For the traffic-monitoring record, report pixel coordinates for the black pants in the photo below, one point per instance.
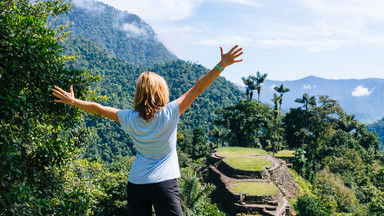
(164, 196)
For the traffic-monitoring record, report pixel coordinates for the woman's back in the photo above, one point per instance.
(155, 143)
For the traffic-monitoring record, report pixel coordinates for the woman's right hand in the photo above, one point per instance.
(231, 56)
(63, 96)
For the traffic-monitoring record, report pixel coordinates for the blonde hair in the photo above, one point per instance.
(152, 94)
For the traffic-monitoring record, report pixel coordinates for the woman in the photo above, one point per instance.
(152, 126)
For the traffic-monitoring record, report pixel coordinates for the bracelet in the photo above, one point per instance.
(219, 67)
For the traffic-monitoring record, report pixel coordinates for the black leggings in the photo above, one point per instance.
(164, 196)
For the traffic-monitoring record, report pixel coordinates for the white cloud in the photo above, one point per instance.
(352, 10)
(309, 86)
(356, 21)
(134, 30)
(225, 40)
(360, 91)
(318, 45)
(158, 10)
(244, 2)
(272, 87)
(90, 5)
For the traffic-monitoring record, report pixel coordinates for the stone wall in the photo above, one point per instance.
(284, 180)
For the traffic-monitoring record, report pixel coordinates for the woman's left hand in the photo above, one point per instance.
(231, 56)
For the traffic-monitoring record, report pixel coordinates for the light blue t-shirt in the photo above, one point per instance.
(155, 142)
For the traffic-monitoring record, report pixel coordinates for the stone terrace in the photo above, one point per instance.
(224, 175)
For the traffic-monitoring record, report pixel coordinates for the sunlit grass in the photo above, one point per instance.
(239, 151)
(254, 188)
(285, 154)
(248, 163)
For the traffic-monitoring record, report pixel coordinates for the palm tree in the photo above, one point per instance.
(276, 100)
(192, 193)
(250, 86)
(306, 100)
(347, 123)
(219, 135)
(282, 91)
(260, 78)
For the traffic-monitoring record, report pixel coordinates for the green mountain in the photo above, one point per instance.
(118, 85)
(124, 35)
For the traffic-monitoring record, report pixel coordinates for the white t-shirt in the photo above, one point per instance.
(155, 142)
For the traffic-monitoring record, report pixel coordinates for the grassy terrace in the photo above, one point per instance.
(248, 163)
(285, 153)
(239, 151)
(254, 188)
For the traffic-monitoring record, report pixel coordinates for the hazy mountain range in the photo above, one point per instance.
(362, 97)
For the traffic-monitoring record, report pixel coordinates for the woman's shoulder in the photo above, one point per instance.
(125, 114)
(173, 105)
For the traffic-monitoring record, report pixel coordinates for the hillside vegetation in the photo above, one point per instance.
(57, 160)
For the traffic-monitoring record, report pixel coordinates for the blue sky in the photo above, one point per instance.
(289, 40)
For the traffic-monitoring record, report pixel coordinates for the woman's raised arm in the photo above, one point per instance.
(227, 59)
(91, 107)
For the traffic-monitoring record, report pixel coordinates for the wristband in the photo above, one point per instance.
(219, 67)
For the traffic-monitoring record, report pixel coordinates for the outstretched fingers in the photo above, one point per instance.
(237, 51)
(57, 93)
(238, 54)
(233, 49)
(58, 88)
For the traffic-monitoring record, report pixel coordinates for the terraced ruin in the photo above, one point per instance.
(248, 181)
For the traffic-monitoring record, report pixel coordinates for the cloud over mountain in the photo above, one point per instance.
(360, 91)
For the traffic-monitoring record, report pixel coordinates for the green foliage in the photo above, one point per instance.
(334, 194)
(200, 147)
(305, 187)
(306, 100)
(310, 205)
(195, 196)
(250, 83)
(338, 143)
(350, 166)
(249, 124)
(297, 128)
(38, 138)
(91, 188)
(376, 207)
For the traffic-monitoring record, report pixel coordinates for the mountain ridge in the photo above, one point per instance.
(361, 97)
